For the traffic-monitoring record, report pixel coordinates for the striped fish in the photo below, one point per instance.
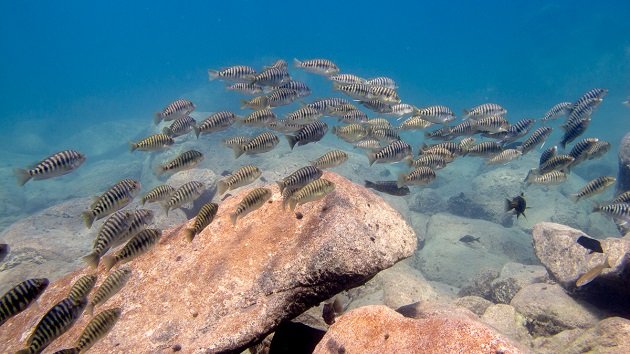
(158, 194)
(580, 150)
(247, 88)
(187, 193)
(491, 124)
(287, 193)
(550, 178)
(517, 130)
(300, 177)
(301, 88)
(238, 73)
(21, 296)
(139, 244)
(583, 110)
(435, 114)
(54, 323)
(484, 148)
(284, 126)
(377, 106)
(260, 102)
(361, 92)
(350, 133)
(485, 110)
(114, 199)
(262, 143)
(181, 126)
(252, 201)
(155, 142)
(346, 79)
(313, 191)
(504, 157)
(304, 115)
(239, 178)
(395, 151)
(141, 219)
(444, 133)
(259, 118)
(384, 94)
(310, 133)
(621, 198)
(236, 141)
(538, 137)
(596, 186)
(324, 105)
(466, 143)
(558, 110)
(383, 81)
(272, 77)
(619, 211)
(82, 287)
(317, 66)
(547, 154)
(420, 176)
(455, 148)
(282, 97)
(355, 116)
(330, 159)
(465, 128)
(184, 161)
(386, 134)
(402, 109)
(204, 217)
(174, 110)
(97, 328)
(440, 151)
(598, 150)
(216, 122)
(278, 64)
(573, 130)
(596, 93)
(54, 165)
(368, 144)
(435, 162)
(557, 162)
(110, 286)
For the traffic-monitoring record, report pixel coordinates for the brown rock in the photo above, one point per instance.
(378, 329)
(241, 281)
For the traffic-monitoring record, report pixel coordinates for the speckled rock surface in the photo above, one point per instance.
(513, 277)
(233, 284)
(508, 321)
(379, 329)
(476, 304)
(611, 335)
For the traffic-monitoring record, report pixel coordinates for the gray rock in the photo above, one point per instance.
(549, 310)
(508, 321)
(476, 304)
(611, 335)
(480, 285)
(623, 176)
(464, 206)
(565, 260)
(557, 343)
(514, 277)
(446, 259)
(427, 201)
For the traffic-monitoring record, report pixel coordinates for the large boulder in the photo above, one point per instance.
(233, 285)
(379, 329)
(514, 277)
(609, 336)
(508, 321)
(556, 247)
(623, 177)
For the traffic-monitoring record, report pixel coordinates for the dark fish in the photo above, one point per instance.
(469, 239)
(389, 187)
(591, 244)
(20, 297)
(518, 204)
(4, 251)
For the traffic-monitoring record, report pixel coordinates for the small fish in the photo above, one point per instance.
(368, 144)
(54, 323)
(538, 137)
(388, 187)
(592, 274)
(260, 118)
(313, 191)
(174, 110)
(181, 126)
(557, 162)
(278, 64)
(114, 199)
(402, 109)
(469, 239)
(596, 186)
(485, 110)
(466, 144)
(236, 141)
(204, 217)
(239, 178)
(386, 134)
(518, 204)
(351, 132)
(158, 194)
(247, 88)
(82, 287)
(155, 142)
(395, 151)
(415, 123)
(435, 162)
(621, 198)
(139, 244)
(299, 87)
(558, 110)
(465, 128)
(583, 111)
(362, 92)
(282, 97)
(384, 94)
(619, 211)
(310, 133)
(580, 150)
(54, 165)
(110, 286)
(484, 148)
(256, 103)
(376, 106)
(317, 66)
(444, 133)
(435, 114)
(383, 81)
(21, 296)
(304, 115)
(272, 77)
(4, 251)
(420, 176)
(504, 157)
(187, 193)
(355, 116)
(262, 143)
(284, 126)
(574, 130)
(347, 79)
(97, 328)
(343, 109)
(325, 105)
(491, 124)
(300, 177)
(517, 130)
(215, 123)
(252, 201)
(596, 93)
(550, 178)
(238, 73)
(591, 244)
(330, 159)
(599, 149)
(547, 154)
(184, 161)
(441, 152)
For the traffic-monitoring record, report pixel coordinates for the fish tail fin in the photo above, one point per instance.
(88, 218)
(22, 176)
(222, 187)
(233, 218)
(92, 259)
(368, 184)
(297, 63)
(132, 146)
(212, 74)
(238, 151)
(90, 308)
(508, 205)
(292, 203)
(371, 157)
(574, 198)
(25, 351)
(197, 131)
(157, 118)
(280, 185)
(158, 170)
(401, 180)
(109, 262)
(190, 234)
(166, 208)
(167, 131)
(292, 140)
